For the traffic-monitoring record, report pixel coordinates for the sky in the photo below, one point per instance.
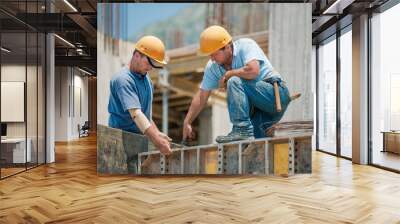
(142, 14)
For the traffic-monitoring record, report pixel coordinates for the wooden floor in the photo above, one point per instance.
(70, 191)
(10, 171)
(386, 159)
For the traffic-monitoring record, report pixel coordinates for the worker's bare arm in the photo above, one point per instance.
(249, 71)
(150, 130)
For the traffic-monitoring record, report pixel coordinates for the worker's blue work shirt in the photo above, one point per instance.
(244, 51)
(129, 90)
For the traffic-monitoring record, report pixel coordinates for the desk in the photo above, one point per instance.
(391, 141)
(13, 150)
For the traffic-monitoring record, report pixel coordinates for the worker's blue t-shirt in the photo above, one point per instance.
(129, 90)
(244, 51)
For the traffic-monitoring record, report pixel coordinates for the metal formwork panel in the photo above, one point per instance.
(150, 164)
(283, 156)
(190, 161)
(230, 159)
(173, 163)
(253, 158)
(209, 160)
(302, 153)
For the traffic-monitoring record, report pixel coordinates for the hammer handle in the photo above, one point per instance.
(277, 97)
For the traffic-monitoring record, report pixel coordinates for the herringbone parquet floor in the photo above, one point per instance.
(70, 191)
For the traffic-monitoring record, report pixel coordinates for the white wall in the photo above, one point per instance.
(67, 114)
(14, 73)
(61, 103)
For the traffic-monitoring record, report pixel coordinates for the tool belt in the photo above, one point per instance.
(273, 79)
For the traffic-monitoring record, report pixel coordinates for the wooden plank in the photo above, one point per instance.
(281, 159)
(69, 191)
(289, 128)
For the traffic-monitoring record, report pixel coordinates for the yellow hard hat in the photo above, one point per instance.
(152, 47)
(212, 39)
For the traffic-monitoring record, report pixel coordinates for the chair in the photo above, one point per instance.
(84, 130)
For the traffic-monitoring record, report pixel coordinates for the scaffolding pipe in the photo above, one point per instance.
(165, 111)
(164, 82)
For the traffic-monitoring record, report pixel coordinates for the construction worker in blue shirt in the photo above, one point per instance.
(241, 68)
(131, 93)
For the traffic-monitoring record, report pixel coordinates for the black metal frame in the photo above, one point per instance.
(380, 9)
(339, 32)
(369, 98)
(36, 164)
(338, 98)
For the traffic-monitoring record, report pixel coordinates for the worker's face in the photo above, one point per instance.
(221, 56)
(142, 63)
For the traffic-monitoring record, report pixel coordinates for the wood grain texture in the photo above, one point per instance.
(281, 159)
(70, 191)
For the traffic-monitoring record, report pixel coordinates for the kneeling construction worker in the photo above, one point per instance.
(131, 93)
(241, 68)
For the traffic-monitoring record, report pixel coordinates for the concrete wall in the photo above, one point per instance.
(221, 124)
(290, 53)
(112, 56)
(213, 121)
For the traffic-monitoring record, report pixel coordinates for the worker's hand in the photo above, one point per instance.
(162, 144)
(222, 83)
(162, 135)
(187, 131)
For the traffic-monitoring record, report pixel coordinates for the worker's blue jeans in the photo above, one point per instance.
(243, 95)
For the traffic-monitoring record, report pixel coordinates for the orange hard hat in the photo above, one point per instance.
(152, 47)
(212, 39)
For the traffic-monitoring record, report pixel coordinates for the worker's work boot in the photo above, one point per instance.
(235, 135)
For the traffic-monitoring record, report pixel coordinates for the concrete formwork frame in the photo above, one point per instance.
(283, 156)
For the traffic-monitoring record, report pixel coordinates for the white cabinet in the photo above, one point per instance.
(17, 147)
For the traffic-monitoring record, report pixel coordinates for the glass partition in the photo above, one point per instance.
(327, 96)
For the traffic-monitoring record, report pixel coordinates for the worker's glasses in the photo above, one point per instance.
(154, 63)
